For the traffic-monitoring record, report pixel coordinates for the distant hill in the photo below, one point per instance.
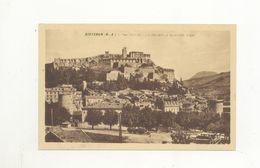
(203, 74)
(214, 85)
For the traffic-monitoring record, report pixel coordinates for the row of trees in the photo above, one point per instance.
(96, 117)
(54, 115)
(136, 84)
(132, 116)
(54, 77)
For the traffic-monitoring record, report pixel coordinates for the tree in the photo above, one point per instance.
(122, 83)
(159, 103)
(225, 121)
(110, 118)
(61, 115)
(180, 137)
(167, 119)
(90, 75)
(94, 117)
(130, 116)
(181, 82)
(222, 125)
(148, 118)
(207, 118)
(57, 116)
(183, 119)
(176, 89)
(194, 120)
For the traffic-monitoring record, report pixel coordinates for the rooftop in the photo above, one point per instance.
(105, 105)
(171, 103)
(70, 135)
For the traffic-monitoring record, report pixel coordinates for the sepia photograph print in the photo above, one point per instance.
(137, 86)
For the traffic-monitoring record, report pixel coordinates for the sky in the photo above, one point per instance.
(187, 52)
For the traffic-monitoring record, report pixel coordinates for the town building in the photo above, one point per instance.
(215, 106)
(102, 106)
(187, 107)
(171, 106)
(52, 94)
(84, 85)
(98, 83)
(134, 58)
(67, 96)
(112, 75)
(143, 104)
(147, 71)
(128, 71)
(70, 63)
(169, 74)
(76, 63)
(133, 61)
(226, 107)
(90, 100)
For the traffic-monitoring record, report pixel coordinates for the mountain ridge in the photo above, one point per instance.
(203, 74)
(217, 85)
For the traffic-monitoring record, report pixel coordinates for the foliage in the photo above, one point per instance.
(176, 89)
(134, 117)
(130, 116)
(58, 115)
(148, 118)
(110, 118)
(180, 137)
(120, 84)
(94, 117)
(222, 125)
(136, 84)
(159, 103)
(54, 77)
(183, 119)
(167, 119)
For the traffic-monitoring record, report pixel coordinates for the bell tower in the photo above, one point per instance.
(124, 52)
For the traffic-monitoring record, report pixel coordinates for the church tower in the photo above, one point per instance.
(124, 52)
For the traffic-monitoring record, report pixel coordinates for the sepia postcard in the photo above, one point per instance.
(137, 86)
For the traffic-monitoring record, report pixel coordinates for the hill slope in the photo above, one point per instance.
(215, 86)
(203, 74)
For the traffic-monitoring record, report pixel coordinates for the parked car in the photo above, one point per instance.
(131, 129)
(200, 139)
(138, 130)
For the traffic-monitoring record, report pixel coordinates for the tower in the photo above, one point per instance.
(84, 85)
(124, 52)
(106, 53)
(66, 102)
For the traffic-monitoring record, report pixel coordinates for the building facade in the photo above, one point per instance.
(67, 96)
(112, 75)
(91, 100)
(170, 74)
(171, 106)
(128, 71)
(52, 94)
(215, 106)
